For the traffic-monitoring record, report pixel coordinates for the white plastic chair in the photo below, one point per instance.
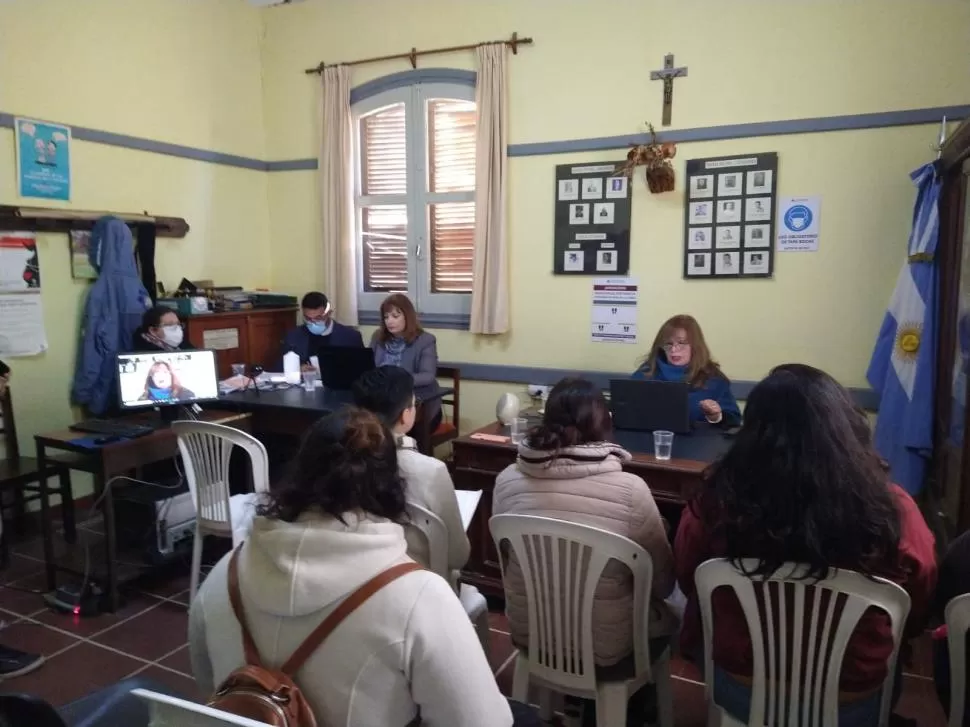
(206, 449)
(433, 529)
(781, 693)
(169, 711)
(957, 624)
(561, 564)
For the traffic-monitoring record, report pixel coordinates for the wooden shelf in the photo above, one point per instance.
(47, 219)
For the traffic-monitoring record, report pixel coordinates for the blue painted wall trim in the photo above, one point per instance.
(886, 119)
(866, 398)
(452, 321)
(410, 78)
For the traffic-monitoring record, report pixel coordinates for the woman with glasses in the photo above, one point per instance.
(160, 330)
(680, 354)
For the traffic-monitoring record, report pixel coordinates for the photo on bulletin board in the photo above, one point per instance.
(81, 267)
(730, 211)
(592, 220)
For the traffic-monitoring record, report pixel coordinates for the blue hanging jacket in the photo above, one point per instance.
(114, 309)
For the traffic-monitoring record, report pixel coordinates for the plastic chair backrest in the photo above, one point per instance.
(206, 449)
(561, 564)
(174, 712)
(433, 529)
(795, 682)
(957, 624)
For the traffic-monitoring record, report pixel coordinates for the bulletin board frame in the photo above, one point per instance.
(729, 217)
(593, 209)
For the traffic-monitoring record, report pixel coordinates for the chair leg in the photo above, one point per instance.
(520, 680)
(196, 563)
(483, 630)
(67, 506)
(611, 705)
(546, 702)
(20, 511)
(665, 694)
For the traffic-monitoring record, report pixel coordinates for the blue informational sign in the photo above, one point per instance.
(43, 159)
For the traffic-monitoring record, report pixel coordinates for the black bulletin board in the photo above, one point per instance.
(729, 217)
(592, 230)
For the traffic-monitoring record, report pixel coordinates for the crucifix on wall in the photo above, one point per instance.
(667, 75)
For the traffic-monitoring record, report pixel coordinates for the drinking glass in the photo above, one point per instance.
(239, 369)
(309, 380)
(519, 428)
(663, 444)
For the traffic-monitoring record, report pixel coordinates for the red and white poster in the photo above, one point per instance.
(21, 314)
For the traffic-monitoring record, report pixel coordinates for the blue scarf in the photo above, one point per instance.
(395, 350)
(670, 372)
(156, 394)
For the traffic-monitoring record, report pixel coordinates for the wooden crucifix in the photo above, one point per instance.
(667, 75)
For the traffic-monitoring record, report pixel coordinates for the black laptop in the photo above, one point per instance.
(341, 366)
(642, 405)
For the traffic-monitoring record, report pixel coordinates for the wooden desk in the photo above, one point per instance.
(104, 463)
(257, 335)
(477, 462)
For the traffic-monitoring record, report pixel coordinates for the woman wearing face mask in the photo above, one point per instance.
(401, 341)
(679, 353)
(162, 384)
(160, 330)
(319, 330)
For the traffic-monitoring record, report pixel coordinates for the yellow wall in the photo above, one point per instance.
(587, 76)
(180, 71)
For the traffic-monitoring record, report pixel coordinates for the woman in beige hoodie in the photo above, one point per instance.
(567, 469)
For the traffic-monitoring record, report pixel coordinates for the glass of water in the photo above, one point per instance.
(239, 369)
(519, 428)
(663, 444)
(309, 380)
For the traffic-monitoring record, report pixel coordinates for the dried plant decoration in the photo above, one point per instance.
(655, 159)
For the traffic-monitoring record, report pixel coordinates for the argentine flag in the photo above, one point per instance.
(904, 360)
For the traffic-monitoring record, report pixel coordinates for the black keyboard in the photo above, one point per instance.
(113, 428)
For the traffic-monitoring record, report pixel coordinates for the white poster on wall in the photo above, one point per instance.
(614, 315)
(799, 219)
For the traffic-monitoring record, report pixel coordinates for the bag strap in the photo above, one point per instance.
(249, 646)
(346, 607)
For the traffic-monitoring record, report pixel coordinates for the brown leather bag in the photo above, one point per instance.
(270, 695)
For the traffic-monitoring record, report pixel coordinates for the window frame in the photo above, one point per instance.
(435, 308)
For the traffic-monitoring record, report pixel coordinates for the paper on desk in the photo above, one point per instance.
(467, 505)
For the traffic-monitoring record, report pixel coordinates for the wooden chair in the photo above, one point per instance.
(448, 428)
(21, 476)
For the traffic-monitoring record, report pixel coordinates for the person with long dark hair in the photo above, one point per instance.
(568, 469)
(161, 329)
(803, 483)
(408, 652)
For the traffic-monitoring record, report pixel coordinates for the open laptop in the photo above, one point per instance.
(341, 366)
(649, 406)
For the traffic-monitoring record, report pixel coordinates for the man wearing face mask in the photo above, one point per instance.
(160, 330)
(319, 330)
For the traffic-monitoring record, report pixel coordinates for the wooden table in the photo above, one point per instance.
(477, 462)
(105, 462)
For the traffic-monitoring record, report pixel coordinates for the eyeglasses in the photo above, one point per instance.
(674, 345)
(325, 318)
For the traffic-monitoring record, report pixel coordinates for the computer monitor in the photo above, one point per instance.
(166, 378)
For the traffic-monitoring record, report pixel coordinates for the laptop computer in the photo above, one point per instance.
(649, 406)
(341, 366)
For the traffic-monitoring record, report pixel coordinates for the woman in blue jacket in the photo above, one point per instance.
(679, 353)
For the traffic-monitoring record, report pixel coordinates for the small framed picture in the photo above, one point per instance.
(573, 261)
(606, 261)
(702, 187)
(579, 214)
(728, 210)
(729, 184)
(699, 238)
(759, 182)
(726, 263)
(757, 209)
(700, 213)
(593, 188)
(757, 236)
(756, 263)
(728, 238)
(568, 189)
(616, 187)
(698, 263)
(603, 213)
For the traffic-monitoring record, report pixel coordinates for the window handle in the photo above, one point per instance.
(417, 252)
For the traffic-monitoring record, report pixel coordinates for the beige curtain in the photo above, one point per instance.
(490, 291)
(337, 194)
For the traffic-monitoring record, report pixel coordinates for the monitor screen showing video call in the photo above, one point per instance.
(167, 378)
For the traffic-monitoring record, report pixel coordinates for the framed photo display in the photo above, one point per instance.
(729, 217)
(592, 227)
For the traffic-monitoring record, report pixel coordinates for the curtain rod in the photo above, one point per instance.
(514, 42)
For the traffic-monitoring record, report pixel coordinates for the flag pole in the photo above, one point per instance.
(942, 139)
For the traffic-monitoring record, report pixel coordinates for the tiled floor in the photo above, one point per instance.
(148, 638)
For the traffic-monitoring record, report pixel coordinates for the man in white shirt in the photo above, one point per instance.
(388, 391)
